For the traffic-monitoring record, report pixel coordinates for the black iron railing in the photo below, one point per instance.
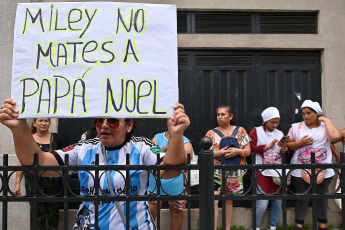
(205, 197)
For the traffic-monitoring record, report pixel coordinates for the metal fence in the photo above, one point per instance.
(205, 197)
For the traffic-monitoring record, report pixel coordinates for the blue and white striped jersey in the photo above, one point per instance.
(141, 151)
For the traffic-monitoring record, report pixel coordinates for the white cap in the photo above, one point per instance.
(313, 105)
(270, 113)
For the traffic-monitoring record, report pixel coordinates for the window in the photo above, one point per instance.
(247, 22)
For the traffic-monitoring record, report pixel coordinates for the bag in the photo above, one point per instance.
(306, 175)
(194, 174)
(278, 181)
(232, 176)
(232, 142)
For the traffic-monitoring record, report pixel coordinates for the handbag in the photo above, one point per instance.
(194, 174)
(277, 181)
(234, 175)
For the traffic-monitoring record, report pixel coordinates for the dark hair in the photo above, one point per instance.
(91, 132)
(229, 111)
(309, 108)
(134, 128)
(33, 129)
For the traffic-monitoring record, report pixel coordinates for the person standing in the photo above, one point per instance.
(47, 141)
(114, 143)
(266, 144)
(337, 156)
(225, 120)
(175, 206)
(314, 134)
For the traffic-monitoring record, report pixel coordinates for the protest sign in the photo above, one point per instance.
(95, 59)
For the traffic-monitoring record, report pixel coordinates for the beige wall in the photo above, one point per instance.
(330, 40)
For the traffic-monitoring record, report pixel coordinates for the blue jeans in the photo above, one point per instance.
(261, 206)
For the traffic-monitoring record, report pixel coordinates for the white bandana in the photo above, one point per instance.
(270, 113)
(313, 105)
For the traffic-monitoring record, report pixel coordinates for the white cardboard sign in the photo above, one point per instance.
(95, 59)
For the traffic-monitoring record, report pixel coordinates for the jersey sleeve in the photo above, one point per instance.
(72, 150)
(150, 151)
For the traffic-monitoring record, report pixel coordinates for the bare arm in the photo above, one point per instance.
(293, 145)
(332, 132)
(24, 143)
(335, 153)
(177, 124)
(243, 152)
(19, 177)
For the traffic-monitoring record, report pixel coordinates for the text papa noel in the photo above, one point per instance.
(126, 96)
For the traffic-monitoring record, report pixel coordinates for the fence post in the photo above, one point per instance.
(206, 202)
(4, 191)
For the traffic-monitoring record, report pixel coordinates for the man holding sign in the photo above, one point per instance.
(100, 60)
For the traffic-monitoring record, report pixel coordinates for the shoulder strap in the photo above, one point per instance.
(218, 132)
(300, 125)
(235, 131)
(51, 142)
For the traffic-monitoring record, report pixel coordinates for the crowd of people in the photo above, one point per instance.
(231, 144)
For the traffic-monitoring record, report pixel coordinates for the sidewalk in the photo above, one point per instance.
(242, 217)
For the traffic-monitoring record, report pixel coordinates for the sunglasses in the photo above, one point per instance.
(112, 122)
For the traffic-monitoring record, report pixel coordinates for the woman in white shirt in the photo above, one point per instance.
(313, 134)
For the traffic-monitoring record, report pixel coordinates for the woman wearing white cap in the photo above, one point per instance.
(266, 143)
(313, 134)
